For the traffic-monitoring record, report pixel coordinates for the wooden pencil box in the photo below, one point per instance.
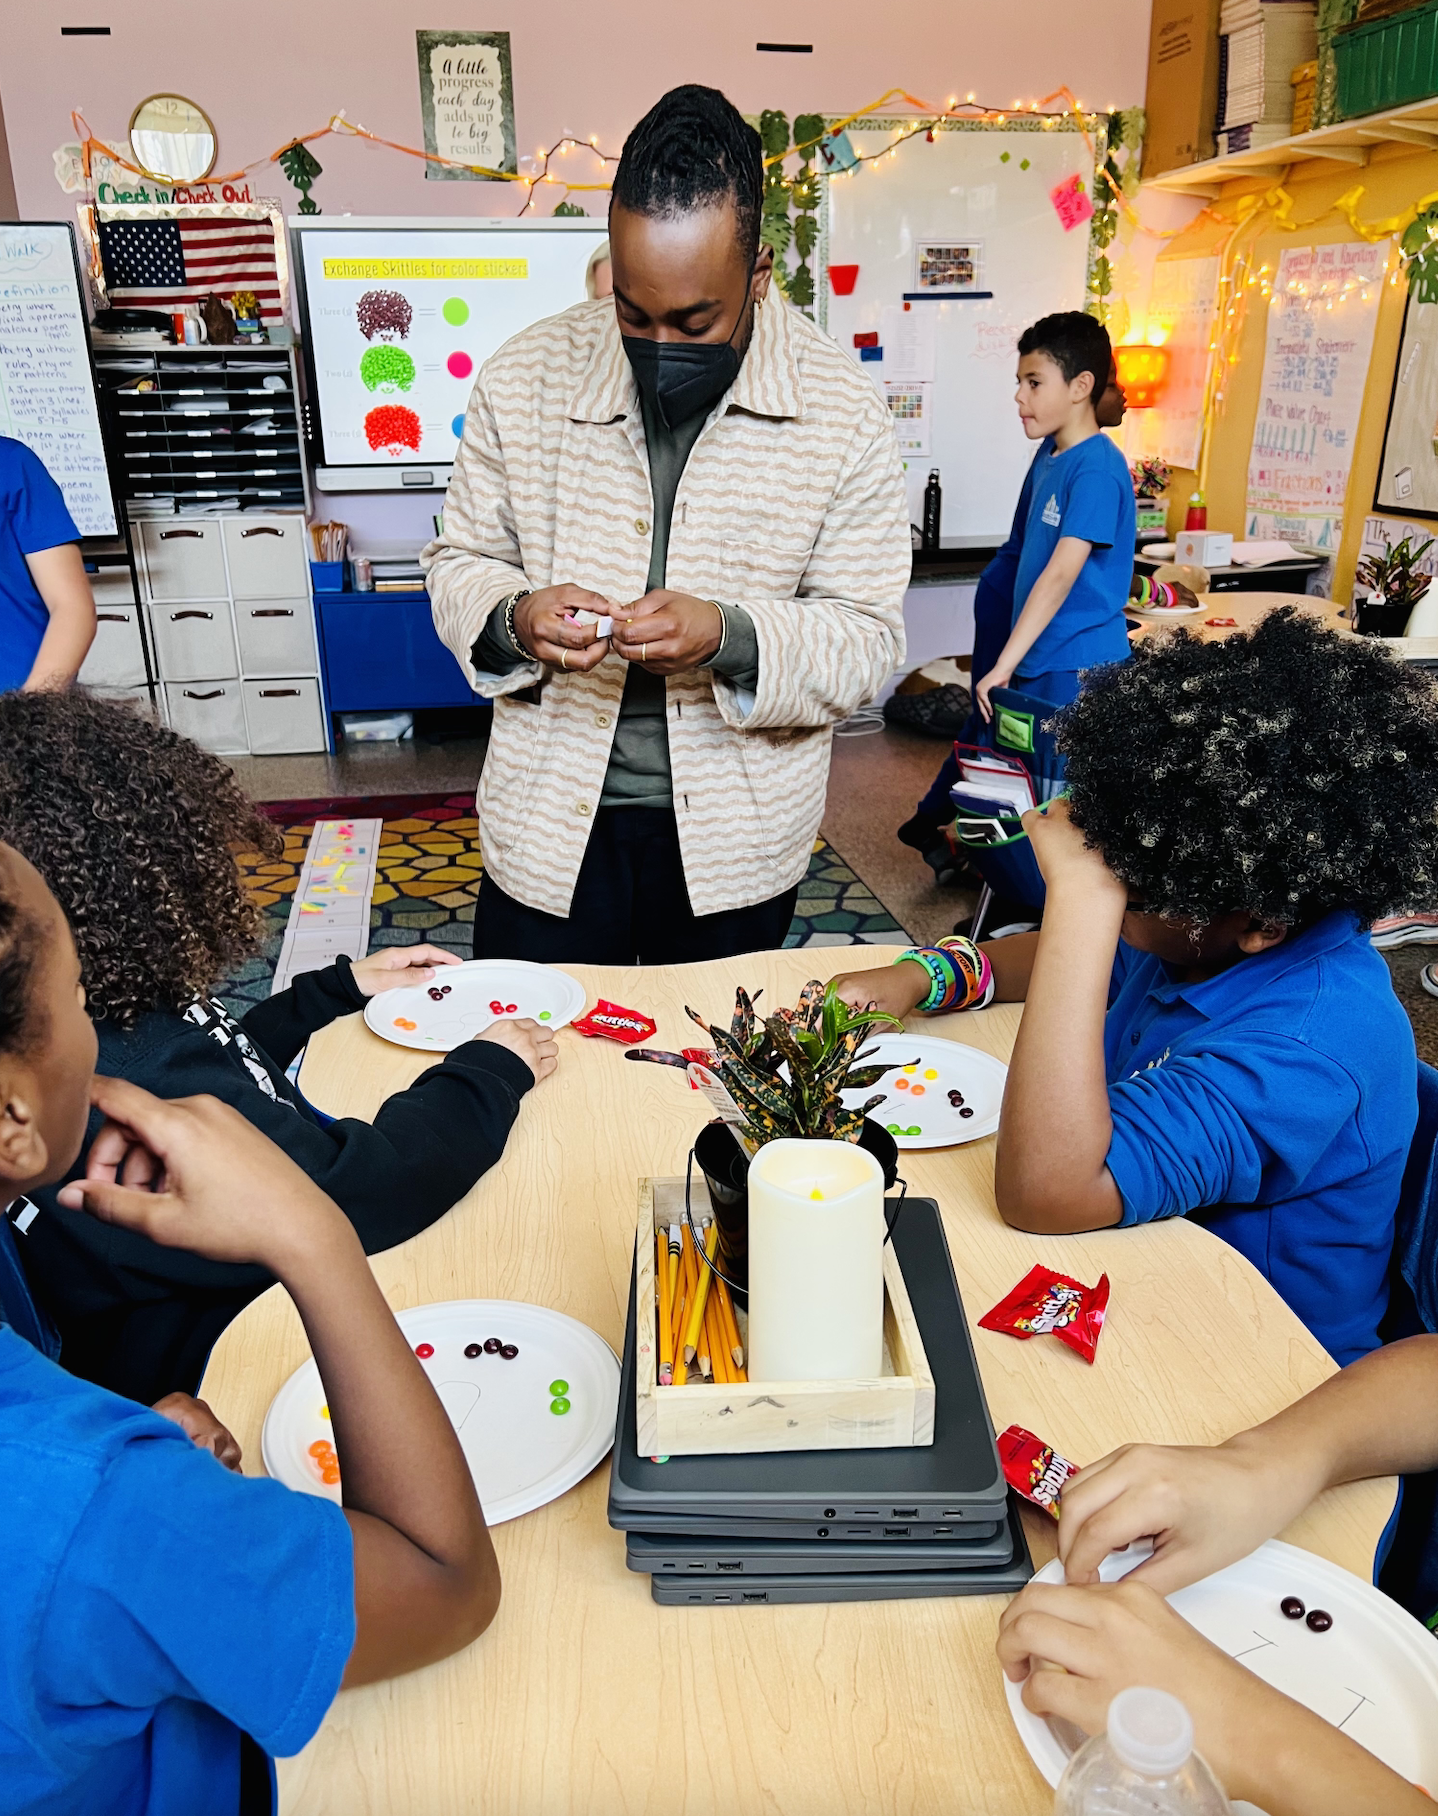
(895, 1409)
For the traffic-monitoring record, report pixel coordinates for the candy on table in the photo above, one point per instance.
(965, 1112)
(424, 1351)
(1046, 1303)
(322, 1455)
(612, 1021)
(408, 1026)
(1034, 1469)
(492, 1346)
(1292, 1608)
(559, 1405)
(1319, 1620)
(499, 1008)
(473, 1349)
(509, 1351)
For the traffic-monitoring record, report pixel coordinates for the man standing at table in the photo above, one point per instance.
(696, 461)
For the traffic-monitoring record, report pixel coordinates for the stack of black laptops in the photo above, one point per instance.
(835, 1525)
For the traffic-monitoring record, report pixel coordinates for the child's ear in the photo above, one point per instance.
(24, 1154)
(1261, 936)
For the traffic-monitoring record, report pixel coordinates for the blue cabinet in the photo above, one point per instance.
(380, 652)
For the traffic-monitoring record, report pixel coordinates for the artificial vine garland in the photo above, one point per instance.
(1117, 176)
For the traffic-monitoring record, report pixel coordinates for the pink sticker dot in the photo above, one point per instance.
(424, 1351)
(460, 365)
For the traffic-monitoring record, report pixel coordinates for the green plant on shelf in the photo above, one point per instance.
(817, 1044)
(1395, 576)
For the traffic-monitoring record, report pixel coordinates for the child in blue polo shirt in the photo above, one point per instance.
(167, 1624)
(1207, 1030)
(47, 611)
(1076, 560)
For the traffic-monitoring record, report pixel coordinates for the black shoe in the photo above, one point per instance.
(921, 833)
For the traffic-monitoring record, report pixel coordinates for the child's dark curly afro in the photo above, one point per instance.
(1286, 771)
(135, 829)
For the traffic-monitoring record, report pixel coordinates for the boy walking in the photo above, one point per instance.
(1076, 557)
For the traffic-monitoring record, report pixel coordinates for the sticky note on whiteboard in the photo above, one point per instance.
(1072, 202)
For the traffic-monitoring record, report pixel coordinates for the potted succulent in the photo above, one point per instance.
(785, 1074)
(1389, 586)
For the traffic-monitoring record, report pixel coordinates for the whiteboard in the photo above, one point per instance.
(399, 316)
(47, 384)
(963, 188)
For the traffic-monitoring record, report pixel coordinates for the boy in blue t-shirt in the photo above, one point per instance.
(1207, 1030)
(1076, 559)
(166, 1624)
(47, 611)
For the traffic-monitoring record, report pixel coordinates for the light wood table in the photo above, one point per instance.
(1247, 609)
(585, 1696)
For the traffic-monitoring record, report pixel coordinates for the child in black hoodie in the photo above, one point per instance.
(134, 829)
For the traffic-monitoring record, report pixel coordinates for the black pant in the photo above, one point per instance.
(630, 906)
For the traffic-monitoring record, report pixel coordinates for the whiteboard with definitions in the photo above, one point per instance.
(984, 186)
(47, 383)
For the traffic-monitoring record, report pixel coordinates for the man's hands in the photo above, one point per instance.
(201, 1426)
(534, 1045)
(393, 967)
(668, 633)
(541, 622)
(194, 1174)
(1204, 1508)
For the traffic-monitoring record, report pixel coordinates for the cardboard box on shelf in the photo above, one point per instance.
(1182, 97)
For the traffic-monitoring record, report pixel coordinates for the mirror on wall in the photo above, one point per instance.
(172, 140)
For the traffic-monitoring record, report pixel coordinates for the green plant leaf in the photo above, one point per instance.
(773, 132)
(808, 130)
(859, 1078)
(806, 235)
(801, 287)
(776, 230)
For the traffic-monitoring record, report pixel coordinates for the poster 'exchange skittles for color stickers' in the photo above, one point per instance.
(1320, 339)
(401, 319)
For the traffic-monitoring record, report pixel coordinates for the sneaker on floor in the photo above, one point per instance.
(1405, 930)
(1428, 977)
(921, 833)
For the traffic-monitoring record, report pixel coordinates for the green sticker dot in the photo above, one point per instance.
(544, 1015)
(559, 1388)
(456, 311)
(559, 1406)
(1003, 157)
(1023, 163)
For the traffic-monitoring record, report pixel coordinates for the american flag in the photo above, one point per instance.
(166, 264)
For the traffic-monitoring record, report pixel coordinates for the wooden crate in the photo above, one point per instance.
(895, 1409)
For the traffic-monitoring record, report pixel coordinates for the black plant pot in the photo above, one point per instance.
(1381, 620)
(725, 1167)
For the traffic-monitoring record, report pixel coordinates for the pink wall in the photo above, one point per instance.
(269, 71)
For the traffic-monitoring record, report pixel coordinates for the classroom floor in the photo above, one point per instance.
(874, 785)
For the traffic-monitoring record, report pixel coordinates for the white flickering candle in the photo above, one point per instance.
(816, 1262)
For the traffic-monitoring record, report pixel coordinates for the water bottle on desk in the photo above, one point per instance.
(1144, 1765)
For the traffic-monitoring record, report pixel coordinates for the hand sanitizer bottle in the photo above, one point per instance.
(1144, 1766)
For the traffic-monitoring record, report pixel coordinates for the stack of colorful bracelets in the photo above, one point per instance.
(960, 975)
(1153, 595)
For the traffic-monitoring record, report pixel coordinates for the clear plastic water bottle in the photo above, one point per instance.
(1144, 1766)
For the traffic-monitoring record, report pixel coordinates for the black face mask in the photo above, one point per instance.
(678, 379)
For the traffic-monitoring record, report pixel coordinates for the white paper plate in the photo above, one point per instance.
(412, 1018)
(917, 1111)
(520, 1452)
(1374, 1674)
(1179, 611)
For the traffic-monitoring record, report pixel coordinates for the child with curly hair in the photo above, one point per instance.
(133, 828)
(1207, 1030)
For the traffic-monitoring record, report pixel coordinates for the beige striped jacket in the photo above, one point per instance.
(791, 504)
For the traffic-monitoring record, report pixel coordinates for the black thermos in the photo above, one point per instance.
(933, 510)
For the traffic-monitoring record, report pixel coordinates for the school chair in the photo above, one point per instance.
(1407, 1565)
(1008, 866)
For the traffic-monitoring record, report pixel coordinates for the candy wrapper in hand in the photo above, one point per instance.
(611, 1021)
(1034, 1469)
(1048, 1304)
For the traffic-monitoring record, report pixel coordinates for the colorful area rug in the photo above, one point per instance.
(428, 876)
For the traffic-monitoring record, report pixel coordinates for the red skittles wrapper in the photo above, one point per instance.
(1048, 1304)
(611, 1021)
(1034, 1469)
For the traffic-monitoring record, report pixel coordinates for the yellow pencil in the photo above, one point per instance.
(715, 1341)
(701, 1293)
(682, 1305)
(673, 1264)
(731, 1323)
(666, 1327)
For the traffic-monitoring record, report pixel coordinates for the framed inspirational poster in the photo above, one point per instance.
(1408, 471)
(466, 98)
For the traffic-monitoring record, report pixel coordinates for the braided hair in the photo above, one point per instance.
(1286, 771)
(692, 150)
